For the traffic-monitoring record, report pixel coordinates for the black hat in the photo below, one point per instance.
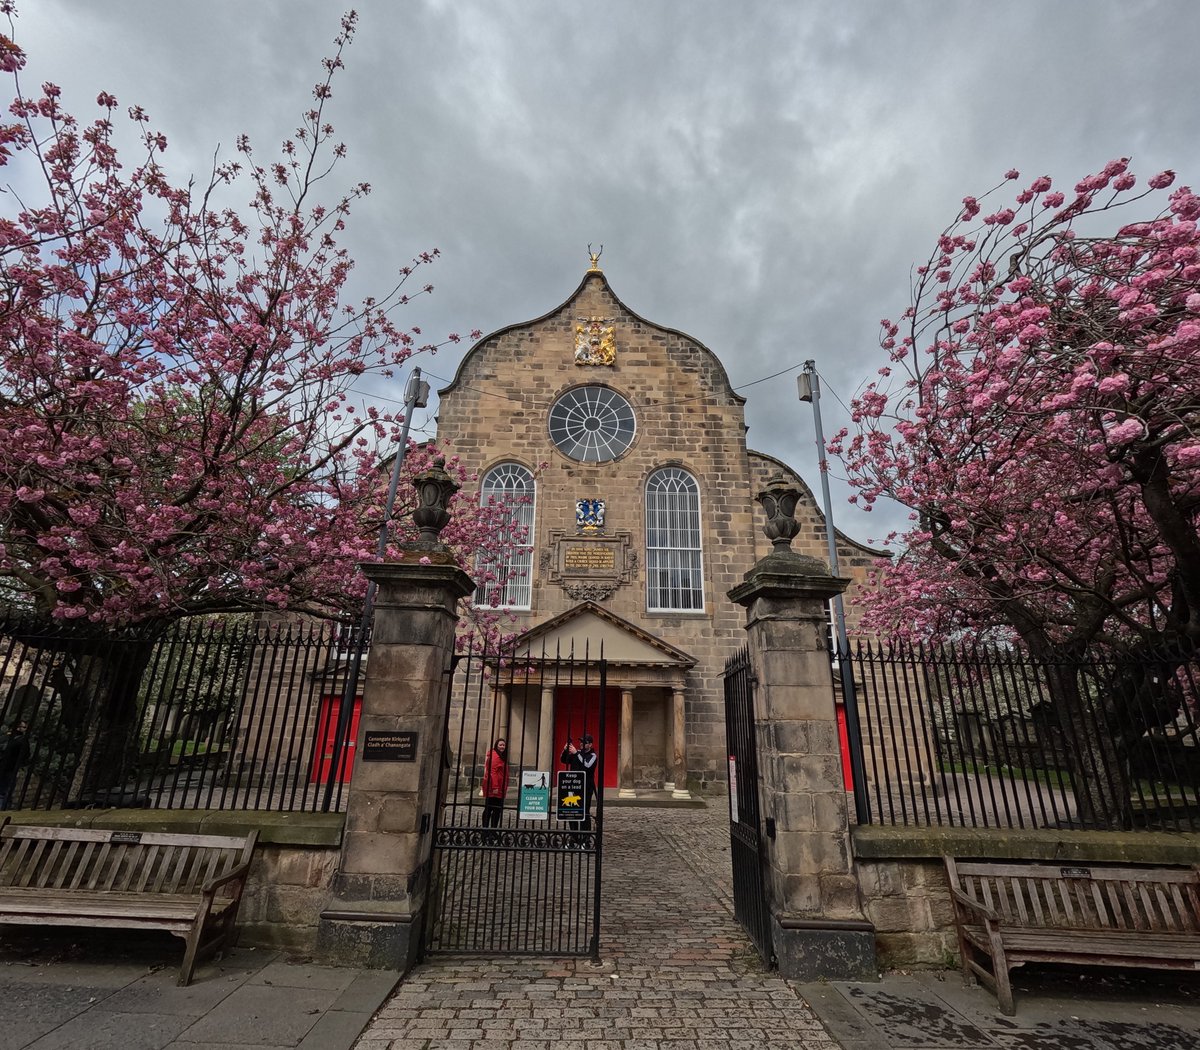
(586, 738)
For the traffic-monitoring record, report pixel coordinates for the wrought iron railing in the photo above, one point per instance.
(224, 713)
(969, 736)
(510, 874)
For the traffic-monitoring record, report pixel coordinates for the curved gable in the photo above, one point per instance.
(597, 276)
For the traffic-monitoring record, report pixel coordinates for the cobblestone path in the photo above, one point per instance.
(677, 971)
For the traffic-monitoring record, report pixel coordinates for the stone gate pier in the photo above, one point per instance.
(818, 927)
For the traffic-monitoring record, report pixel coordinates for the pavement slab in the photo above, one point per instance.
(1058, 1008)
(85, 990)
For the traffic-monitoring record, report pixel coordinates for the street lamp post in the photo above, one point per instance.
(810, 390)
(416, 395)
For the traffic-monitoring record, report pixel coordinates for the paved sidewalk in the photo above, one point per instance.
(678, 973)
(76, 990)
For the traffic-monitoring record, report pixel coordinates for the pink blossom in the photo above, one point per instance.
(1123, 433)
(1162, 180)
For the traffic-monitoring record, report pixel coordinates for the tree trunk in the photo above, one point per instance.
(1097, 760)
(108, 682)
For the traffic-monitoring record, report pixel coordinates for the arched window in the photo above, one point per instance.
(674, 573)
(510, 565)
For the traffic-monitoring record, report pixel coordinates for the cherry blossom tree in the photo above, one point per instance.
(182, 429)
(1040, 416)
(183, 434)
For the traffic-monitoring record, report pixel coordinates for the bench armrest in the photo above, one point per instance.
(239, 872)
(971, 904)
(233, 875)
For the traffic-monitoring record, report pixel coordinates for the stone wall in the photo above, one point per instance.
(908, 902)
(287, 891)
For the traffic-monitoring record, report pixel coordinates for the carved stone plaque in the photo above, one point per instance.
(591, 568)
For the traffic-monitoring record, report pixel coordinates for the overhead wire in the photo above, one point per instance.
(524, 399)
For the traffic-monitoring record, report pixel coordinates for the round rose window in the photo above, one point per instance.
(592, 424)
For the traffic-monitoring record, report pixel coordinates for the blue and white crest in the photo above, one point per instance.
(589, 515)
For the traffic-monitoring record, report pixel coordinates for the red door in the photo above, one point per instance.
(577, 711)
(324, 759)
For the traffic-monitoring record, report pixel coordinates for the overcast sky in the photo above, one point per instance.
(762, 176)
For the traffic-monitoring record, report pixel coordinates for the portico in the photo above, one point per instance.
(645, 700)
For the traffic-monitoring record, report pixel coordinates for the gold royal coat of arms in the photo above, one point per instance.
(595, 341)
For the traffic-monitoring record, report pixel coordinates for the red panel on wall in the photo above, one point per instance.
(324, 758)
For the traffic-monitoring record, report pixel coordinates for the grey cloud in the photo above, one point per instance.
(763, 176)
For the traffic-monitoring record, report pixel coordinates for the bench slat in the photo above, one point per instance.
(175, 879)
(89, 904)
(147, 869)
(1099, 871)
(1019, 942)
(104, 835)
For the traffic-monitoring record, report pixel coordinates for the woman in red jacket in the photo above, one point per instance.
(495, 783)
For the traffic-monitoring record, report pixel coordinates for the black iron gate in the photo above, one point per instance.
(745, 828)
(509, 878)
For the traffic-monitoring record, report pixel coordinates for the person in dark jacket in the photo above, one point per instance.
(495, 783)
(585, 758)
(14, 753)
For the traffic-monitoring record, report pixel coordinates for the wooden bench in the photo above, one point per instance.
(1009, 914)
(190, 885)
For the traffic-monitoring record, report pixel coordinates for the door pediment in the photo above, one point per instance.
(589, 629)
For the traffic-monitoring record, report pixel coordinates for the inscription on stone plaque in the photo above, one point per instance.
(588, 556)
(590, 570)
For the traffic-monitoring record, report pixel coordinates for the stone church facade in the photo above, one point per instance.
(621, 447)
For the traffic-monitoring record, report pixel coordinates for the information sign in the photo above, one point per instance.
(534, 801)
(570, 795)
(389, 747)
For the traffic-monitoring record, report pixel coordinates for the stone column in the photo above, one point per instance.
(545, 751)
(669, 736)
(378, 896)
(819, 930)
(679, 743)
(625, 747)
